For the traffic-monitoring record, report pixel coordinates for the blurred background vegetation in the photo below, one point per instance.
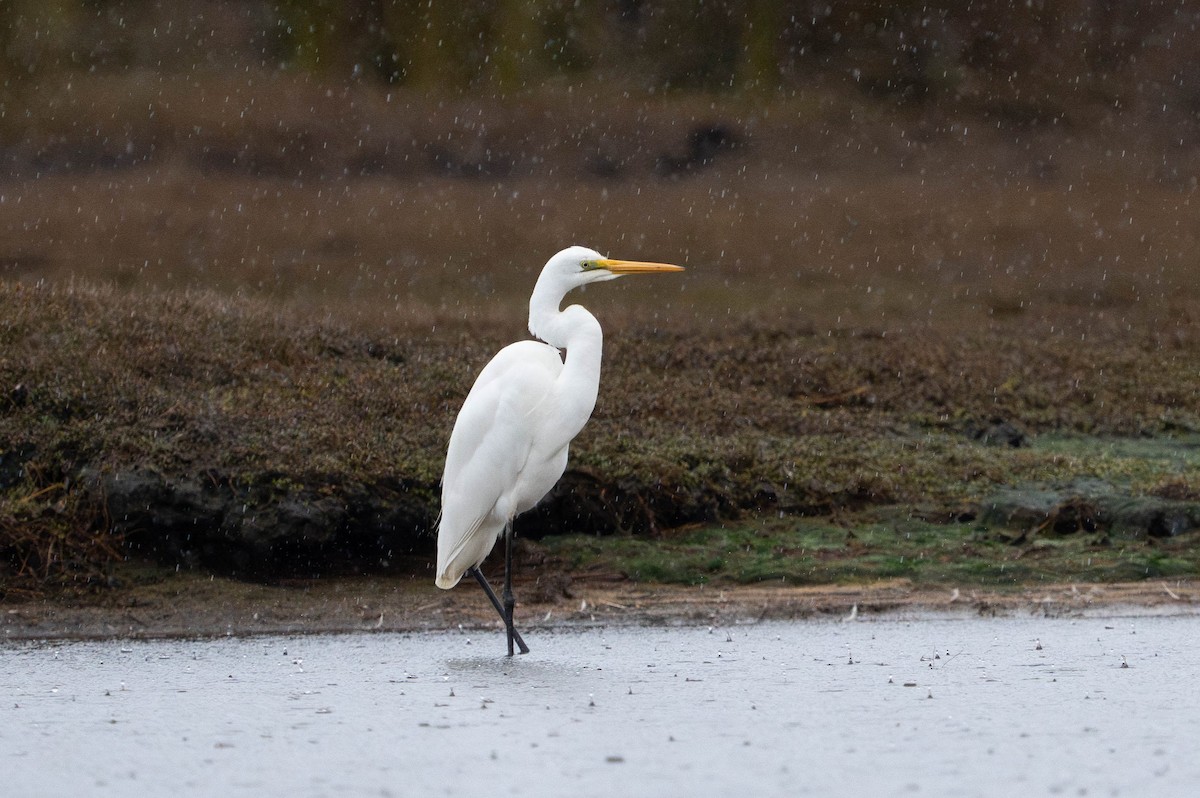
(1023, 62)
(193, 138)
(1034, 54)
(985, 210)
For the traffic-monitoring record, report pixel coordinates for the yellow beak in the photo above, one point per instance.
(635, 266)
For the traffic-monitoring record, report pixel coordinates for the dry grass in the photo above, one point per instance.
(835, 207)
(692, 424)
(301, 300)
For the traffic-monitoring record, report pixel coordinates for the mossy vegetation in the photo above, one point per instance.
(874, 546)
(228, 434)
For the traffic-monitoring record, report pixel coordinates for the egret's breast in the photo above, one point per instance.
(539, 478)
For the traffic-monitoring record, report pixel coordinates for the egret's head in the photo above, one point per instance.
(572, 268)
(576, 266)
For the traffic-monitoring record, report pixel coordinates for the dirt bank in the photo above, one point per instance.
(193, 605)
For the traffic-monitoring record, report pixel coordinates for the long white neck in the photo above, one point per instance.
(577, 331)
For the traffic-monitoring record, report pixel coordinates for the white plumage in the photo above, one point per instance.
(509, 444)
(501, 462)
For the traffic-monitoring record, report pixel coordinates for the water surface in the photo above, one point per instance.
(933, 706)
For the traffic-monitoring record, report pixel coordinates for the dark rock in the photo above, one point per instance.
(1089, 505)
(997, 433)
(1153, 516)
(1016, 507)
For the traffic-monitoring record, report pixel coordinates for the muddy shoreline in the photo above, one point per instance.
(192, 605)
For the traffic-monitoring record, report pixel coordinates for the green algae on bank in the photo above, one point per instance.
(875, 545)
(1061, 507)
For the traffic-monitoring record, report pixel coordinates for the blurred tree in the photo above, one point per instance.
(1021, 59)
(517, 45)
(37, 35)
(36, 39)
(431, 44)
(326, 35)
(761, 24)
(693, 45)
(572, 34)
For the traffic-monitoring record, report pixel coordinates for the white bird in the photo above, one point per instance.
(509, 444)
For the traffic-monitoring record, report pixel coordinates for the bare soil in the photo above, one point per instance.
(195, 605)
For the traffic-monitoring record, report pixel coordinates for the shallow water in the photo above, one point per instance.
(934, 706)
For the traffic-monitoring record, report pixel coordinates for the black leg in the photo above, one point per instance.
(509, 601)
(491, 594)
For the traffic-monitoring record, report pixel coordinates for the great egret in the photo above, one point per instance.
(509, 444)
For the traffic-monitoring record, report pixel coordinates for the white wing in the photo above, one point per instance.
(494, 437)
